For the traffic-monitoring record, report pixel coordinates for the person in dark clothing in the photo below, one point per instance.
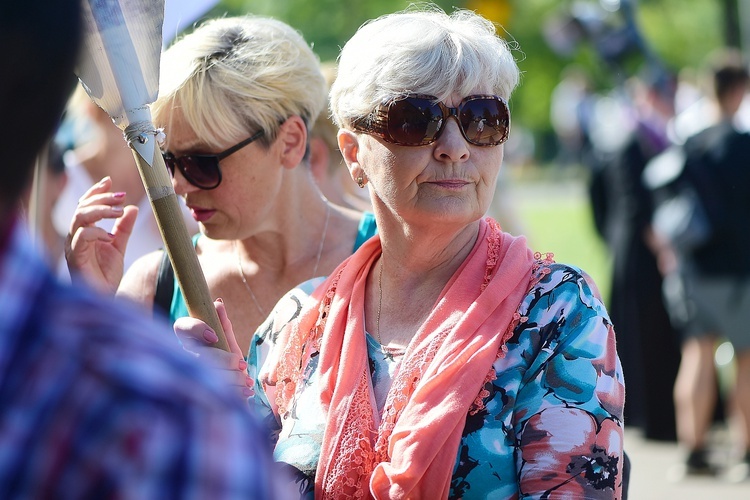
(715, 277)
(647, 343)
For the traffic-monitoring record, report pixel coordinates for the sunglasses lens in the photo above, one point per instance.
(201, 171)
(485, 121)
(169, 162)
(414, 121)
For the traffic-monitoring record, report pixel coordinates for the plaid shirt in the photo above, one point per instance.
(95, 404)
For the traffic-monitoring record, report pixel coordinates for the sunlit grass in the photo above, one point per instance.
(556, 217)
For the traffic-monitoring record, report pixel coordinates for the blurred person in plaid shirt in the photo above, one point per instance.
(93, 404)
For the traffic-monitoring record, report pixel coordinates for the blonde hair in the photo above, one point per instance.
(233, 76)
(420, 50)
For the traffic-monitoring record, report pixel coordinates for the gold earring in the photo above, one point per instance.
(360, 182)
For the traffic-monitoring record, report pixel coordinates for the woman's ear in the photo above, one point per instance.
(349, 146)
(292, 138)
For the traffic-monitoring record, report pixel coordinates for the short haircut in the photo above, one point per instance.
(39, 41)
(233, 76)
(424, 50)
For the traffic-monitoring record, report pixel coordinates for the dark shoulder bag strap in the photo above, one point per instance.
(164, 285)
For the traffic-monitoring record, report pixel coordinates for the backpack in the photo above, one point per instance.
(679, 215)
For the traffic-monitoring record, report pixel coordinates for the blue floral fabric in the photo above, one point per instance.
(551, 422)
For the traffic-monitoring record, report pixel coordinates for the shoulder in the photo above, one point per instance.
(562, 291)
(355, 227)
(287, 309)
(707, 138)
(547, 273)
(139, 281)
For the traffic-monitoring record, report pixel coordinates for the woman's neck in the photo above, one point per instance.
(295, 235)
(425, 253)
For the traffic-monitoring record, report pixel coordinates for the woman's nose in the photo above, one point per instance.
(451, 145)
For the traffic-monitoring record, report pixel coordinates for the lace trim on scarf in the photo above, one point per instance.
(354, 458)
(539, 270)
(300, 348)
(405, 380)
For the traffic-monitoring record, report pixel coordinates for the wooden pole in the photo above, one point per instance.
(178, 243)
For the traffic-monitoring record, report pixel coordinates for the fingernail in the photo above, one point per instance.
(119, 194)
(249, 382)
(110, 235)
(247, 392)
(243, 365)
(210, 336)
(117, 210)
(104, 179)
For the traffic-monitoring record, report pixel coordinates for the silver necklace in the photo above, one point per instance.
(315, 269)
(380, 299)
(244, 280)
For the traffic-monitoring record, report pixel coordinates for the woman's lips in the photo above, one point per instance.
(451, 184)
(201, 214)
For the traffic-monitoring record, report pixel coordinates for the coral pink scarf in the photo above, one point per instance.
(409, 452)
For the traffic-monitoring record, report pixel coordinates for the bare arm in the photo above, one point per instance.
(139, 282)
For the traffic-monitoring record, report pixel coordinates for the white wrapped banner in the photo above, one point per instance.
(119, 68)
(121, 50)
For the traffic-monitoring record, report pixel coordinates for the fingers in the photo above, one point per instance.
(188, 328)
(226, 325)
(96, 204)
(197, 338)
(123, 228)
(76, 244)
(240, 380)
(101, 206)
(100, 187)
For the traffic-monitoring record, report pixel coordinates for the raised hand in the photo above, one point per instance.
(90, 251)
(197, 338)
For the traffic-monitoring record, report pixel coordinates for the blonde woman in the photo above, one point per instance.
(236, 100)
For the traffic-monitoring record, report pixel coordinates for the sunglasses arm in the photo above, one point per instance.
(177, 242)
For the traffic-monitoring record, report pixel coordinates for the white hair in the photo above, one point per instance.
(420, 50)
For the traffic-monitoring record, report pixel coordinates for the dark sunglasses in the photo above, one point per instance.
(203, 170)
(418, 120)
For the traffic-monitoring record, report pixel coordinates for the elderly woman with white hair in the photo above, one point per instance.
(237, 98)
(444, 358)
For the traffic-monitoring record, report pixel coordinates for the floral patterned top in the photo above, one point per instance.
(551, 421)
